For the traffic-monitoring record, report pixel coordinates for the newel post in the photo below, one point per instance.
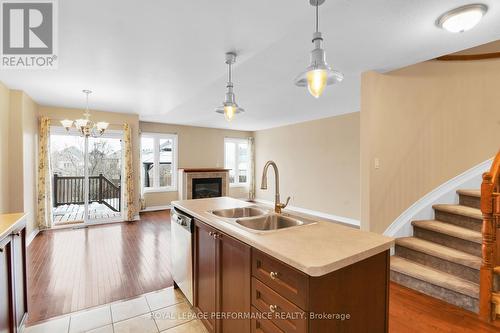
(488, 245)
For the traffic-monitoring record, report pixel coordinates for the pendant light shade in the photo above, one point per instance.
(229, 108)
(319, 74)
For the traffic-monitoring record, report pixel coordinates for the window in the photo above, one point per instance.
(236, 158)
(159, 162)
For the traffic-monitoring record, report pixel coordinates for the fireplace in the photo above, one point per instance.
(196, 183)
(207, 188)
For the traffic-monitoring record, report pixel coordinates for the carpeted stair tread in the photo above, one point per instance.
(434, 277)
(440, 251)
(449, 229)
(470, 193)
(460, 210)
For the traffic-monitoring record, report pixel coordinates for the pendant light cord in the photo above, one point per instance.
(317, 16)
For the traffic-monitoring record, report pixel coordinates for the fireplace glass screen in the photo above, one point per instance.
(207, 188)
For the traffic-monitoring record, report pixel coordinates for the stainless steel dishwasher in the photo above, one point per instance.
(182, 252)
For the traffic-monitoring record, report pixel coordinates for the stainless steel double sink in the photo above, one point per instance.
(260, 219)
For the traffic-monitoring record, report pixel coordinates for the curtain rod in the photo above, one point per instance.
(59, 119)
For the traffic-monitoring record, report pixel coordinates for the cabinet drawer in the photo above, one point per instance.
(287, 281)
(283, 313)
(262, 325)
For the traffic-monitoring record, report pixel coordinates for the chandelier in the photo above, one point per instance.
(85, 125)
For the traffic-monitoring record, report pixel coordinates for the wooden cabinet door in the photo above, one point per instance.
(205, 274)
(235, 272)
(6, 296)
(20, 292)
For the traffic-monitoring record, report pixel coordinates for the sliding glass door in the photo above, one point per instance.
(105, 178)
(87, 177)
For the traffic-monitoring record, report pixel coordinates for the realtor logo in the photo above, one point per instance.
(29, 34)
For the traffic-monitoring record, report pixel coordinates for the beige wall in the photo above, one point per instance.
(116, 121)
(318, 163)
(198, 147)
(426, 124)
(29, 128)
(18, 151)
(4, 148)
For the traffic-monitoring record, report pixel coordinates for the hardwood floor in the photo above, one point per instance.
(69, 270)
(73, 269)
(413, 312)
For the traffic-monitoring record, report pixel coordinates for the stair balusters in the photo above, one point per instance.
(489, 298)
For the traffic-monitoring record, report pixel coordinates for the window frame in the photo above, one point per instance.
(156, 162)
(237, 142)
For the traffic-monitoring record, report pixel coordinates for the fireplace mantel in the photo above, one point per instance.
(186, 176)
(204, 170)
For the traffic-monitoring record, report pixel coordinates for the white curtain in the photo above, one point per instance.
(44, 182)
(251, 168)
(130, 207)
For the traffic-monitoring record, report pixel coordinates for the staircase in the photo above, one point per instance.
(443, 258)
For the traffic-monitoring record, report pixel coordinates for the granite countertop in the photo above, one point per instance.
(8, 223)
(315, 249)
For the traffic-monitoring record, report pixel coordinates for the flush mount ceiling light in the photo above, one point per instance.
(85, 125)
(319, 74)
(462, 18)
(229, 108)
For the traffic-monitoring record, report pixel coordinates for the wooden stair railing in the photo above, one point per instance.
(489, 298)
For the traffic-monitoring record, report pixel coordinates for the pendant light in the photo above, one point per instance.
(229, 108)
(319, 74)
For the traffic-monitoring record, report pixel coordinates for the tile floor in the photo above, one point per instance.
(162, 311)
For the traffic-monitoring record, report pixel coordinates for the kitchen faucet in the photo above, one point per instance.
(278, 206)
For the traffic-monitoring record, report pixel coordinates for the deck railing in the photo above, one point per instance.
(489, 295)
(71, 190)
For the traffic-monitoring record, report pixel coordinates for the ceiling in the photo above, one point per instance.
(488, 48)
(164, 60)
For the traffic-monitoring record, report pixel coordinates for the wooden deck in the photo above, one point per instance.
(68, 214)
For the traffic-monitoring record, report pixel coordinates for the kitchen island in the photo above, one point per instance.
(317, 277)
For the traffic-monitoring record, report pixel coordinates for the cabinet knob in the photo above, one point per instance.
(273, 275)
(210, 233)
(273, 308)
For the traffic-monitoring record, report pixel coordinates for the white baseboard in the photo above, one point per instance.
(32, 236)
(156, 208)
(342, 219)
(445, 194)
